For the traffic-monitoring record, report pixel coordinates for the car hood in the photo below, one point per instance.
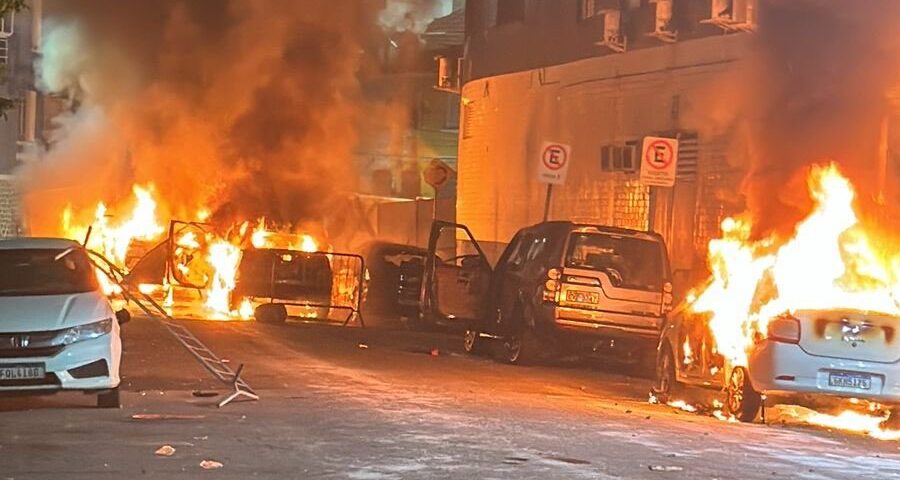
(52, 312)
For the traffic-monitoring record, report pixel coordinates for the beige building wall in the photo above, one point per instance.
(589, 104)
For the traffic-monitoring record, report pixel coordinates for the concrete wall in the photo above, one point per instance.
(588, 104)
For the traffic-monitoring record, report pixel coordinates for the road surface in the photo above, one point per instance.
(382, 404)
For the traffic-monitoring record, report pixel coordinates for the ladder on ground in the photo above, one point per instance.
(210, 361)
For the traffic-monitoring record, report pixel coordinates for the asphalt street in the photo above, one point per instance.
(380, 403)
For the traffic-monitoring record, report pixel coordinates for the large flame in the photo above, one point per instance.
(829, 263)
(208, 260)
(114, 238)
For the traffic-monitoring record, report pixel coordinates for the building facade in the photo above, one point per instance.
(598, 76)
(22, 107)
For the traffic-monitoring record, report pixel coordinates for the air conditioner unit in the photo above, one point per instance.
(619, 158)
(613, 38)
(734, 15)
(663, 29)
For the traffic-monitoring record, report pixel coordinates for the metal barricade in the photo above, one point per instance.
(304, 290)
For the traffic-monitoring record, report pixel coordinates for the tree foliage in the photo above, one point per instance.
(9, 6)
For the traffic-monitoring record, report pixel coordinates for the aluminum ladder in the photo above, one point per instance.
(210, 361)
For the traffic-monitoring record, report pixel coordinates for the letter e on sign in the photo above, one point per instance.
(554, 163)
(659, 161)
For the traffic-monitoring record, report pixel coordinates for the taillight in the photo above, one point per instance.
(785, 329)
(551, 286)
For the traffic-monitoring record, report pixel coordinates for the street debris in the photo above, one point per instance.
(165, 451)
(435, 352)
(165, 416)
(204, 393)
(362, 346)
(211, 465)
(665, 468)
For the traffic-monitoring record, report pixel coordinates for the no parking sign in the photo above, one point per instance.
(554, 163)
(659, 161)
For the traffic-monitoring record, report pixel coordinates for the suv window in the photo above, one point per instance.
(629, 262)
(519, 252)
(45, 272)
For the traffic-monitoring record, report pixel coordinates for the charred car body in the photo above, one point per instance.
(584, 288)
(830, 353)
(282, 278)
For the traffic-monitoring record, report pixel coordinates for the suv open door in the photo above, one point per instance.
(457, 278)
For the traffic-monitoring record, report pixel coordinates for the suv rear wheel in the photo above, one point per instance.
(742, 400)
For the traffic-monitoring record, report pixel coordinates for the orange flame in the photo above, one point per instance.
(829, 263)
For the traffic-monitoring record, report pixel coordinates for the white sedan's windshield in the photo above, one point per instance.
(45, 272)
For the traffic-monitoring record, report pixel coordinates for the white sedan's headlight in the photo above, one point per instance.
(87, 332)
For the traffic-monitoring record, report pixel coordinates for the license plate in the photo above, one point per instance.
(859, 381)
(28, 371)
(576, 296)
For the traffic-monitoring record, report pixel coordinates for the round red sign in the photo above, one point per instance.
(659, 155)
(555, 157)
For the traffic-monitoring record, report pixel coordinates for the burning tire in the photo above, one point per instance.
(270, 313)
(742, 400)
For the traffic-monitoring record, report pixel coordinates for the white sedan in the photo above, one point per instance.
(58, 330)
(832, 353)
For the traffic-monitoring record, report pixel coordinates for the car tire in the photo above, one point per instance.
(270, 313)
(667, 388)
(109, 399)
(742, 400)
(522, 348)
(473, 344)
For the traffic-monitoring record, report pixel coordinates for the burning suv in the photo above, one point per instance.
(587, 288)
(838, 353)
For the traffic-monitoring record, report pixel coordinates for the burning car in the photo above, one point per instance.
(58, 330)
(837, 353)
(816, 313)
(284, 278)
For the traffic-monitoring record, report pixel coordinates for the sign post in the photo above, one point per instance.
(552, 169)
(659, 161)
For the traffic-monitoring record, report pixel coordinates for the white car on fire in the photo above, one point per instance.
(835, 353)
(58, 330)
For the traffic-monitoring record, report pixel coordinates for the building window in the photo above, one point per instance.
(589, 9)
(509, 11)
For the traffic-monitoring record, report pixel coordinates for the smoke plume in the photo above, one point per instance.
(817, 91)
(249, 108)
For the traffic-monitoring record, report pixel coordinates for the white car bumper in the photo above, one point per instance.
(782, 368)
(62, 367)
